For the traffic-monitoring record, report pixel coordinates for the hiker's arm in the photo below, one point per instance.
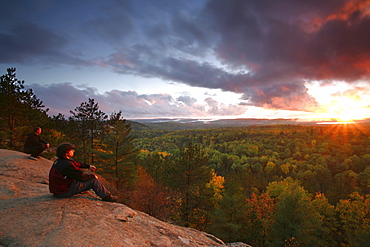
(76, 174)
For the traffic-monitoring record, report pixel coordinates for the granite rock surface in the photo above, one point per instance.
(31, 216)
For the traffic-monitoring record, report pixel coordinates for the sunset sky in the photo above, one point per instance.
(302, 59)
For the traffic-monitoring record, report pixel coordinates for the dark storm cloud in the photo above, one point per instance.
(284, 43)
(341, 50)
(29, 43)
(283, 96)
(114, 27)
(190, 72)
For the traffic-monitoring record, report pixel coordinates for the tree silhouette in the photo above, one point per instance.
(20, 109)
(115, 150)
(190, 176)
(88, 122)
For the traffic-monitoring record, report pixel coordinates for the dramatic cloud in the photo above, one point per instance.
(266, 50)
(279, 46)
(28, 43)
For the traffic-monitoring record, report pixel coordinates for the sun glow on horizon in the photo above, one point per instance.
(341, 102)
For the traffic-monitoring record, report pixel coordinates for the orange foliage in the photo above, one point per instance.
(150, 196)
(263, 205)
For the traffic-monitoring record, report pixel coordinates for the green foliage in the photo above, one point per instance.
(87, 122)
(20, 110)
(158, 165)
(229, 219)
(61, 129)
(290, 162)
(330, 233)
(190, 176)
(312, 154)
(354, 220)
(295, 217)
(116, 152)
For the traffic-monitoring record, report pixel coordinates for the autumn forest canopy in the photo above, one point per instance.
(273, 185)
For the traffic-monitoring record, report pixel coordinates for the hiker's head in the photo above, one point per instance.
(37, 130)
(63, 149)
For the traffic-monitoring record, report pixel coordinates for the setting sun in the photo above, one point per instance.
(341, 102)
(352, 114)
(347, 109)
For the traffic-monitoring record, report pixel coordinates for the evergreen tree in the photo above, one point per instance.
(20, 109)
(116, 151)
(229, 218)
(158, 165)
(190, 176)
(61, 129)
(87, 122)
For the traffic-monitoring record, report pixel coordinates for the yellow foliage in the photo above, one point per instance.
(164, 154)
(217, 185)
(285, 168)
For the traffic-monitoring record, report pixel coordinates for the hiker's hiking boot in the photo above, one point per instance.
(31, 157)
(110, 198)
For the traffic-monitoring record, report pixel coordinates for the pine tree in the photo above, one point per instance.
(229, 218)
(87, 121)
(190, 176)
(116, 151)
(20, 109)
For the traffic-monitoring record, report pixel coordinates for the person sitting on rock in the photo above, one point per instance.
(66, 179)
(34, 145)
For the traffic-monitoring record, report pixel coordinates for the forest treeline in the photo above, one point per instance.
(281, 185)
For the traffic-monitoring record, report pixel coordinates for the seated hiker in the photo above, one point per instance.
(34, 145)
(66, 179)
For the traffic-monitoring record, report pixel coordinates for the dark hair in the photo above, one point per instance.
(63, 149)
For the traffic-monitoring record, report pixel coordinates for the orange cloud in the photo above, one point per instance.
(360, 6)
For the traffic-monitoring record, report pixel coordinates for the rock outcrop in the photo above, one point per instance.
(31, 216)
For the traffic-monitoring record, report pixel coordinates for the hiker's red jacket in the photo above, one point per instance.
(64, 172)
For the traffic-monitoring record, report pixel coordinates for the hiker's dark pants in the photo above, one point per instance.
(36, 150)
(81, 186)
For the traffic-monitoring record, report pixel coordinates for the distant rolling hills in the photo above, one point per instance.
(190, 123)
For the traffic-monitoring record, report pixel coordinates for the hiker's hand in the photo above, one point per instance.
(92, 168)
